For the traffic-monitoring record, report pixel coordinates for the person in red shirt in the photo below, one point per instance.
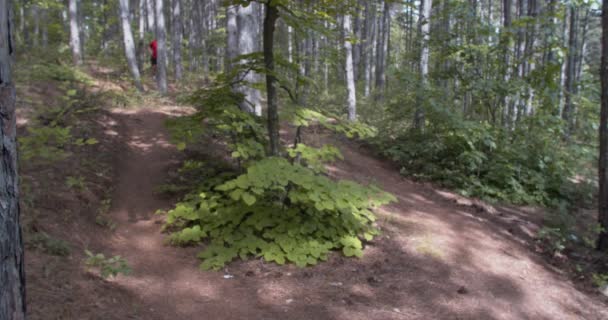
(153, 57)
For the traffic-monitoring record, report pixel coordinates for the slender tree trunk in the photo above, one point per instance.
(369, 45)
(45, 28)
(12, 274)
(383, 39)
(272, 14)
(177, 38)
(232, 36)
(141, 50)
(248, 42)
(151, 14)
(161, 39)
(129, 43)
(75, 32)
(568, 112)
(350, 76)
(602, 243)
(36, 17)
(580, 58)
(424, 25)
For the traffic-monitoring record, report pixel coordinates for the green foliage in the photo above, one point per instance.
(278, 211)
(48, 244)
(46, 143)
(307, 117)
(218, 109)
(108, 267)
(77, 183)
(490, 162)
(600, 280)
(315, 158)
(59, 72)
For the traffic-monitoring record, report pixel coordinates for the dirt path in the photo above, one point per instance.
(435, 260)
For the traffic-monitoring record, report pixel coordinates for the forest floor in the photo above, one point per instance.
(440, 256)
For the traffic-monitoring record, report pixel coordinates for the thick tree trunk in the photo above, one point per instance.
(12, 275)
(602, 243)
(350, 76)
(272, 14)
(424, 25)
(161, 38)
(75, 33)
(129, 43)
(177, 39)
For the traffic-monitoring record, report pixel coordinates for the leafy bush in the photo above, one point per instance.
(279, 209)
(490, 162)
(281, 212)
(48, 244)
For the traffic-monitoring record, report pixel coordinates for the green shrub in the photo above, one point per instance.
(279, 209)
(490, 162)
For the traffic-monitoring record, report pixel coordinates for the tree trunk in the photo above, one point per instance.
(177, 39)
(383, 39)
(232, 36)
(248, 42)
(129, 43)
(12, 272)
(602, 243)
(424, 25)
(272, 14)
(161, 39)
(369, 45)
(75, 32)
(350, 76)
(568, 112)
(151, 14)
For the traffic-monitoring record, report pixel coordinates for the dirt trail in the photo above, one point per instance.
(435, 260)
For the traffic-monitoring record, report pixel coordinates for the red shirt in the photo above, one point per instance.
(153, 47)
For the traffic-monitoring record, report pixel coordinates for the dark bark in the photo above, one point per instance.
(12, 275)
(272, 14)
(602, 243)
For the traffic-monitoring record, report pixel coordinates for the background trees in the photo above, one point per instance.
(507, 92)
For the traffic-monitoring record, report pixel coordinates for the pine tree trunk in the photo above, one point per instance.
(129, 43)
(12, 274)
(75, 32)
(272, 14)
(602, 243)
(424, 25)
(161, 38)
(177, 38)
(350, 76)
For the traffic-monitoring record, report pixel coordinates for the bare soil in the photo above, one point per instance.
(440, 256)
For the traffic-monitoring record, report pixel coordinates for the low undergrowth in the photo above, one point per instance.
(281, 209)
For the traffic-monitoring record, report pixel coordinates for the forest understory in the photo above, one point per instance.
(310, 159)
(439, 255)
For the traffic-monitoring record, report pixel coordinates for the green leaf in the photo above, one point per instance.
(248, 198)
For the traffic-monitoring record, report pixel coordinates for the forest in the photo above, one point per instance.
(303, 159)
